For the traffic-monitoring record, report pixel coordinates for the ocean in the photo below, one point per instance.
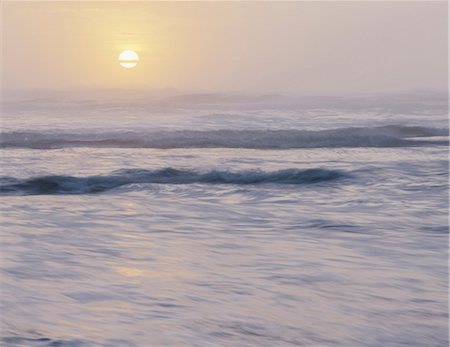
(224, 220)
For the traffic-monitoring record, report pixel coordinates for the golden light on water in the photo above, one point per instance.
(128, 59)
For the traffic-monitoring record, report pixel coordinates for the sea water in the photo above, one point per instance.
(211, 220)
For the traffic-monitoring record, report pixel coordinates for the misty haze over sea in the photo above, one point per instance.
(224, 174)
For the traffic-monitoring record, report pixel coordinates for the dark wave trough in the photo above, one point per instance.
(386, 136)
(47, 185)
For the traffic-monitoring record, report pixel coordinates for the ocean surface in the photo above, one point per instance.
(217, 220)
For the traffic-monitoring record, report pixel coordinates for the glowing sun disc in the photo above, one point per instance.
(128, 59)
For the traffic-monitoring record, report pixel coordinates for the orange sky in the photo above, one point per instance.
(290, 47)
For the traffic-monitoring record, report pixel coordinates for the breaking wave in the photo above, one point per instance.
(385, 136)
(46, 185)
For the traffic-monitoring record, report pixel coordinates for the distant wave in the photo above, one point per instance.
(44, 185)
(386, 136)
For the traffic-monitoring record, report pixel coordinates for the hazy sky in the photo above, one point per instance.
(289, 47)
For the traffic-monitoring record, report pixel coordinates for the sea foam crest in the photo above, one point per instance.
(55, 184)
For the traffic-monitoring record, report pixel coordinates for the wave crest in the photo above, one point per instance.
(47, 185)
(386, 136)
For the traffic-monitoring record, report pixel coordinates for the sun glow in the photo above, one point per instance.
(128, 59)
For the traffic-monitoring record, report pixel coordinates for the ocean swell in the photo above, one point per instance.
(55, 184)
(386, 136)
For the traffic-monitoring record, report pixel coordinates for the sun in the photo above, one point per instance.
(128, 59)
